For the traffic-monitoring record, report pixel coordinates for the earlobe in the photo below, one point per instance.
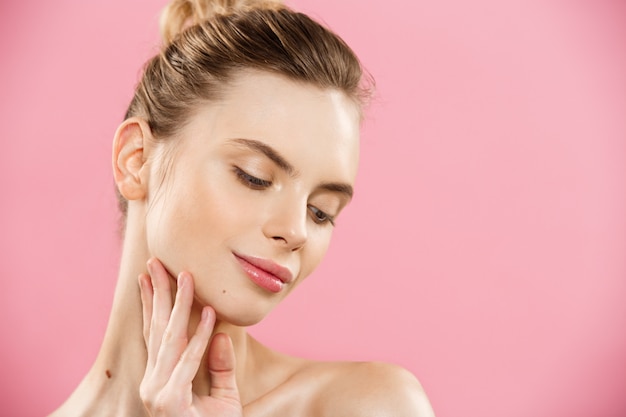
(129, 157)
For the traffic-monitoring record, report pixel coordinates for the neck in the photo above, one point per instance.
(112, 385)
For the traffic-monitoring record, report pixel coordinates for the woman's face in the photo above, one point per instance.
(252, 187)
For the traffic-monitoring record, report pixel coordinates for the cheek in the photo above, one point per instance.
(191, 219)
(318, 244)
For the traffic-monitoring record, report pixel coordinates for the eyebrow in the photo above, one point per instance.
(268, 151)
(283, 164)
(337, 187)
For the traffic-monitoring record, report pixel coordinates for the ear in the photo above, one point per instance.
(129, 158)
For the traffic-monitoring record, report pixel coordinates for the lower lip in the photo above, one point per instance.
(261, 277)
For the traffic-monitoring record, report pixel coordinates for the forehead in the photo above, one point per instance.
(306, 124)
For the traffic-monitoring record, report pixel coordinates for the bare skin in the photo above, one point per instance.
(179, 346)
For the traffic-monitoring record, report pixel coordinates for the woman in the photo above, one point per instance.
(238, 152)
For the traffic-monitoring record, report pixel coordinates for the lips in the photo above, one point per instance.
(265, 273)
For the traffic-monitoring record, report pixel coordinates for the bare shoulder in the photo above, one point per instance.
(371, 389)
(339, 389)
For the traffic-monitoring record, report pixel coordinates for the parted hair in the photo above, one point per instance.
(206, 42)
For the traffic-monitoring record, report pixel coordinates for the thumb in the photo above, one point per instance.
(222, 369)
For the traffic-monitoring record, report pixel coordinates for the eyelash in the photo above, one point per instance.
(251, 181)
(255, 183)
(326, 217)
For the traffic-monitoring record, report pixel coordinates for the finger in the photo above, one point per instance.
(162, 308)
(175, 336)
(146, 291)
(222, 369)
(189, 363)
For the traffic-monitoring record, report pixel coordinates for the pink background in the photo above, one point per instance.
(485, 248)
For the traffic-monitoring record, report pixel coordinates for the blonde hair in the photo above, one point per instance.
(205, 42)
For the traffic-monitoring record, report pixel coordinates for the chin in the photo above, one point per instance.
(239, 311)
(240, 318)
(241, 321)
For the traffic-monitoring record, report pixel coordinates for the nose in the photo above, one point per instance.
(287, 226)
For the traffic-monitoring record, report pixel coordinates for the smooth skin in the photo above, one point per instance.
(263, 171)
(173, 360)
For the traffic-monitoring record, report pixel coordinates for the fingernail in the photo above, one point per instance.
(205, 314)
(180, 281)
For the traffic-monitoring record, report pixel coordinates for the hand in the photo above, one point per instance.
(173, 360)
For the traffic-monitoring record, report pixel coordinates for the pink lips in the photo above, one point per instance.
(265, 273)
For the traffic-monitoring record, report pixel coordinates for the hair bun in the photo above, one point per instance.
(178, 15)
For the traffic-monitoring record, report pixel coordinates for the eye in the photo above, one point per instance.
(321, 217)
(250, 180)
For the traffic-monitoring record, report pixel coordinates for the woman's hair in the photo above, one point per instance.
(206, 42)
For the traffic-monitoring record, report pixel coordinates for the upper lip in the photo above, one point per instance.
(281, 272)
